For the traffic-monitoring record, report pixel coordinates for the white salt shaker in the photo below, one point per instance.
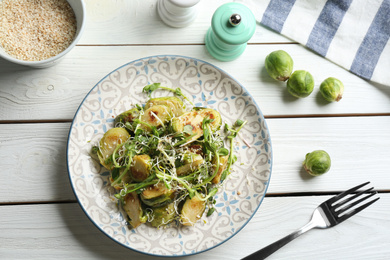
(177, 13)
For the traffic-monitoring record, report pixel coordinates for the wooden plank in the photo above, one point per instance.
(55, 93)
(137, 22)
(34, 157)
(33, 160)
(62, 231)
(358, 147)
(361, 237)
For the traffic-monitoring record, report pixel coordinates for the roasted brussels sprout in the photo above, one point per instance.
(189, 163)
(279, 65)
(223, 160)
(157, 195)
(190, 120)
(212, 114)
(332, 89)
(192, 210)
(317, 162)
(132, 206)
(109, 142)
(140, 167)
(174, 103)
(196, 148)
(126, 117)
(300, 84)
(115, 173)
(162, 216)
(156, 116)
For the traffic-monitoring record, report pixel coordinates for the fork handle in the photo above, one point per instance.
(272, 248)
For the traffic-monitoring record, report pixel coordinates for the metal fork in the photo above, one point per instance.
(326, 215)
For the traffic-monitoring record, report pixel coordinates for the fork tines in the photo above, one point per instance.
(343, 213)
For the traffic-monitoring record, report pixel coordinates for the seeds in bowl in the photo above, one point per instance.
(34, 30)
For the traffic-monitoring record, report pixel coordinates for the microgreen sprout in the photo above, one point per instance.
(233, 132)
(152, 87)
(166, 177)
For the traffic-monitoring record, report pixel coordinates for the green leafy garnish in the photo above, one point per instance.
(152, 87)
(233, 132)
(188, 129)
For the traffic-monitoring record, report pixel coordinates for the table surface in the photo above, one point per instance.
(40, 216)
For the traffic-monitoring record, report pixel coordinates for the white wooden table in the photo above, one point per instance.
(40, 217)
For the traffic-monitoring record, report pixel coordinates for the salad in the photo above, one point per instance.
(167, 159)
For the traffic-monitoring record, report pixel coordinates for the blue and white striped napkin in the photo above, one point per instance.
(352, 33)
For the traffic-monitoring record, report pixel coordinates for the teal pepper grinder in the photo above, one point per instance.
(232, 25)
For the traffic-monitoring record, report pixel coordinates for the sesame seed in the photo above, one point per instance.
(34, 30)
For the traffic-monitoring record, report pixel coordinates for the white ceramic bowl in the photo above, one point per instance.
(78, 7)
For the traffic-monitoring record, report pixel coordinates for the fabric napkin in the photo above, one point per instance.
(352, 33)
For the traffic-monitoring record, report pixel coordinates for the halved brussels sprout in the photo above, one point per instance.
(132, 206)
(190, 162)
(222, 166)
(155, 116)
(174, 103)
(163, 215)
(126, 117)
(157, 195)
(109, 142)
(140, 167)
(212, 114)
(195, 148)
(190, 123)
(192, 210)
(115, 173)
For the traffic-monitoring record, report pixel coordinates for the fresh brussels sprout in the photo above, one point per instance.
(189, 163)
(332, 89)
(126, 117)
(157, 195)
(155, 116)
(212, 114)
(132, 206)
(192, 210)
(162, 216)
(174, 103)
(300, 84)
(279, 65)
(223, 160)
(317, 162)
(109, 142)
(140, 167)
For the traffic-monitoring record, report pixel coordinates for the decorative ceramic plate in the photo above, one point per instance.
(207, 86)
